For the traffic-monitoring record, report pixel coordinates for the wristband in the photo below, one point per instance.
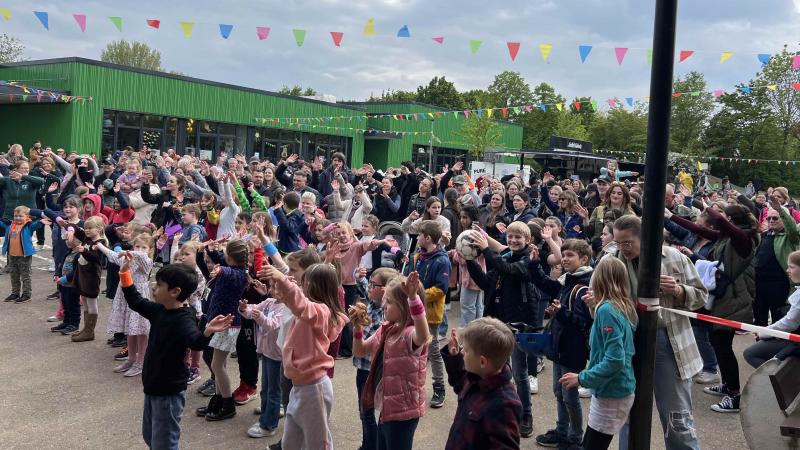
(125, 279)
(416, 308)
(358, 334)
(117, 249)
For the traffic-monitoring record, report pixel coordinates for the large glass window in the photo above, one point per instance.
(126, 119)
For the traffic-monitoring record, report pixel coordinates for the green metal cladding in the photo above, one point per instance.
(78, 126)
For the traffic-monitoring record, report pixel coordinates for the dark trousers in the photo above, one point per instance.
(397, 435)
(40, 232)
(19, 268)
(112, 279)
(246, 353)
(722, 341)
(369, 429)
(595, 440)
(764, 350)
(346, 344)
(71, 300)
(161, 420)
(771, 295)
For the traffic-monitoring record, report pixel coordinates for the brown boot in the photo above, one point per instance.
(84, 326)
(87, 334)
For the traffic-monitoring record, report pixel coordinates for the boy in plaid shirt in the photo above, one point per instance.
(377, 285)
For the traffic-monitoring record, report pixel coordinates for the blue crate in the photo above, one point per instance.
(535, 343)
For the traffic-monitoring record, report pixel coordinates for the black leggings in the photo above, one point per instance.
(246, 354)
(771, 295)
(722, 341)
(595, 440)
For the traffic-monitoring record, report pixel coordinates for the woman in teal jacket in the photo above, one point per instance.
(609, 374)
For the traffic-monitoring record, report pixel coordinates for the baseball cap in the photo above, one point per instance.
(603, 179)
(255, 159)
(459, 179)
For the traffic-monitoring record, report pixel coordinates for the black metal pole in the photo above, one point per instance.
(655, 173)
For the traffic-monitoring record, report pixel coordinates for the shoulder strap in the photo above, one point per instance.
(574, 294)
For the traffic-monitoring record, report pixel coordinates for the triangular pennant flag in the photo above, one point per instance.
(559, 106)
(154, 23)
(612, 103)
(629, 100)
(620, 53)
(516, 109)
(649, 56)
(474, 45)
(117, 21)
(225, 30)
(337, 37)
(369, 28)
(718, 93)
(594, 105)
(504, 110)
(584, 51)
(685, 54)
(696, 94)
(764, 58)
(479, 112)
(796, 86)
(401, 33)
(545, 50)
(43, 18)
(262, 32)
(6, 13)
(299, 36)
(772, 87)
(725, 56)
(24, 98)
(543, 107)
(577, 105)
(81, 19)
(795, 61)
(677, 94)
(466, 113)
(745, 89)
(439, 39)
(188, 28)
(513, 49)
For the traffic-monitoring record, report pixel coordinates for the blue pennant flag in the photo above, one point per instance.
(630, 101)
(43, 17)
(764, 58)
(543, 107)
(225, 30)
(746, 90)
(584, 51)
(403, 32)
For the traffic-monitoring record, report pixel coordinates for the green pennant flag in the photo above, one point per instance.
(24, 98)
(117, 21)
(516, 109)
(696, 94)
(594, 105)
(474, 45)
(455, 114)
(649, 56)
(299, 36)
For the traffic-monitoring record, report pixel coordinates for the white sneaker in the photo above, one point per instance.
(257, 432)
(584, 393)
(706, 378)
(53, 319)
(124, 367)
(51, 267)
(540, 365)
(133, 371)
(533, 384)
(281, 413)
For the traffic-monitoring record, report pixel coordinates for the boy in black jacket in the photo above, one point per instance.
(488, 405)
(570, 324)
(173, 329)
(510, 297)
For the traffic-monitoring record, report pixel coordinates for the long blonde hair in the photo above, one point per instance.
(610, 284)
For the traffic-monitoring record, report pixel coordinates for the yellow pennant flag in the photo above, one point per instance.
(6, 13)
(558, 106)
(489, 112)
(772, 87)
(369, 28)
(699, 166)
(725, 57)
(188, 28)
(545, 49)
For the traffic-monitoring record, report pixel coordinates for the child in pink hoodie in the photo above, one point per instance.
(318, 321)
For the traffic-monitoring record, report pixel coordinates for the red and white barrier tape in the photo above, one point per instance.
(762, 331)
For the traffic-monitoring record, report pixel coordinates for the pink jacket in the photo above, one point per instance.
(350, 259)
(305, 358)
(464, 279)
(794, 213)
(269, 324)
(404, 372)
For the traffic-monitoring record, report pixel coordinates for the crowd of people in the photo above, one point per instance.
(284, 264)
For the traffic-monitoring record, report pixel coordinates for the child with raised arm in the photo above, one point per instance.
(19, 250)
(609, 374)
(488, 405)
(173, 329)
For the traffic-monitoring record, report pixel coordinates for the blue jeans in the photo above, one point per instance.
(369, 429)
(71, 300)
(519, 370)
(397, 435)
(443, 327)
(161, 421)
(270, 393)
(471, 303)
(570, 416)
(673, 401)
(701, 332)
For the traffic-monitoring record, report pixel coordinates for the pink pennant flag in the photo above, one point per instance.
(81, 19)
(337, 37)
(612, 103)
(620, 52)
(466, 113)
(439, 39)
(685, 54)
(795, 61)
(718, 93)
(262, 32)
(513, 49)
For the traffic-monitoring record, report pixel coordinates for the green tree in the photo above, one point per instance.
(586, 112)
(133, 54)
(477, 99)
(510, 89)
(11, 49)
(538, 125)
(571, 126)
(621, 130)
(394, 96)
(690, 113)
(479, 132)
(297, 91)
(784, 102)
(442, 93)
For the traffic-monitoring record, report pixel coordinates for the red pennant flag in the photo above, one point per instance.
(505, 111)
(577, 106)
(685, 54)
(796, 86)
(439, 39)
(677, 94)
(337, 37)
(154, 23)
(513, 49)
(438, 114)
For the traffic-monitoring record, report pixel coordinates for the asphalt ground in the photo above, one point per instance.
(56, 394)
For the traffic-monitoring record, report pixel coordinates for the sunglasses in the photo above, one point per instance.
(773, 218)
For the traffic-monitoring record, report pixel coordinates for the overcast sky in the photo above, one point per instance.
(365, 65)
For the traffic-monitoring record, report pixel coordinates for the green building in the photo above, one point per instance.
(96, 107)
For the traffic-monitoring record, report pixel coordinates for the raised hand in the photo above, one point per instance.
(242, 305)
(271, 273)
(53, 187)
(126, 261)
(260, 287)
(453, 346)
(335, 185)
(411, 285)
(534, 255)
(458, 166)
(219, 323)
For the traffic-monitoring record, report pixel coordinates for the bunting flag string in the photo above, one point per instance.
(369, 29)
(523, 109)
(315, 126)
(699, 158)
(40, 94)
